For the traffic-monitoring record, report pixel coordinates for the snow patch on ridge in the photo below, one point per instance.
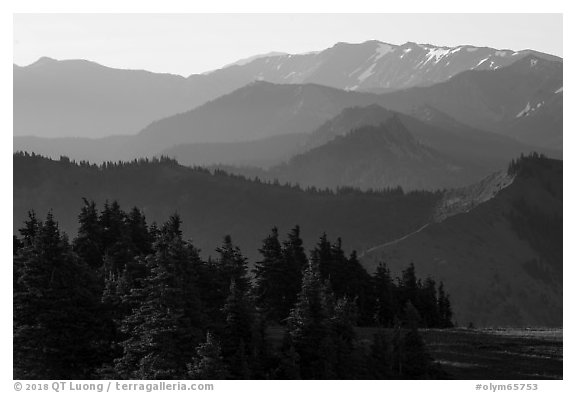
(366, 74)
(559, 90)
(357, 70)
(529, 109)
(383, 50)
(437, 54)
(525, 111)
(481, 61)
(406, 51)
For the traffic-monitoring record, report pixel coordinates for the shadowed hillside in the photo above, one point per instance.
(215, 204)
(501, 258)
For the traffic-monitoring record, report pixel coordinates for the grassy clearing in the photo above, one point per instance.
(485, 353)
(497, 353)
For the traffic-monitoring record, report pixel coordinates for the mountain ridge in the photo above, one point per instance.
(507, 243)
(213, 203)
(49, 88)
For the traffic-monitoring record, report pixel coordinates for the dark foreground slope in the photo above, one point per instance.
(501, 259)
(212, 205)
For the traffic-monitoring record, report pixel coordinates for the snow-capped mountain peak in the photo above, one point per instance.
(377, 66)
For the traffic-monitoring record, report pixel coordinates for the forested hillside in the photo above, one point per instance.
(128, 300)
(508, 248)
(214, 203)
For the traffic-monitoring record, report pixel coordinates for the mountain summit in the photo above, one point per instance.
(376, 66)
(82, 98)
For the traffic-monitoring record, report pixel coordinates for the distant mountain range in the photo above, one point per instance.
(458, 126)
(259, 153)
(263, 124)
(258, 110)
(375, 66)
(372, 147)
(523, 100)
(374, 156)
(78, 98)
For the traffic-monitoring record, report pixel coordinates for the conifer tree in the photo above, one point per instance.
(346, 276)
(233, 265)
(342, 324)
(240, 363)
(262, 359)
(142, 308)
(289, 367)
(308, 325)
(417, 363)
(444, 308)
(359, 288)
(16, 245)
(269, 277)
(409, 286)
(295, 262)
(380, 355)
(166, 326)
(238, 330)
(30, 229)
(428, 303)
(208, 362)
(410, 359)
(88, 241)
(112, 222)
(243, 334)
(140, 237)
(212, 296)
(115, 242)
(384, 290)
(56, 309)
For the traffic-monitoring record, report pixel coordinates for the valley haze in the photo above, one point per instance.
(364, 211)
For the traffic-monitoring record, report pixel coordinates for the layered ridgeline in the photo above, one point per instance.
(371, 147)
(257, 110)
(78, 98)
(215, 204)
(376, 66)
(267, 118)
(523, 100)
(500, 252)
(376, 156)
(496, 244)
(107, 101)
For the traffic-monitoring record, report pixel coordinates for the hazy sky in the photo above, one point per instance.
(194, 43)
